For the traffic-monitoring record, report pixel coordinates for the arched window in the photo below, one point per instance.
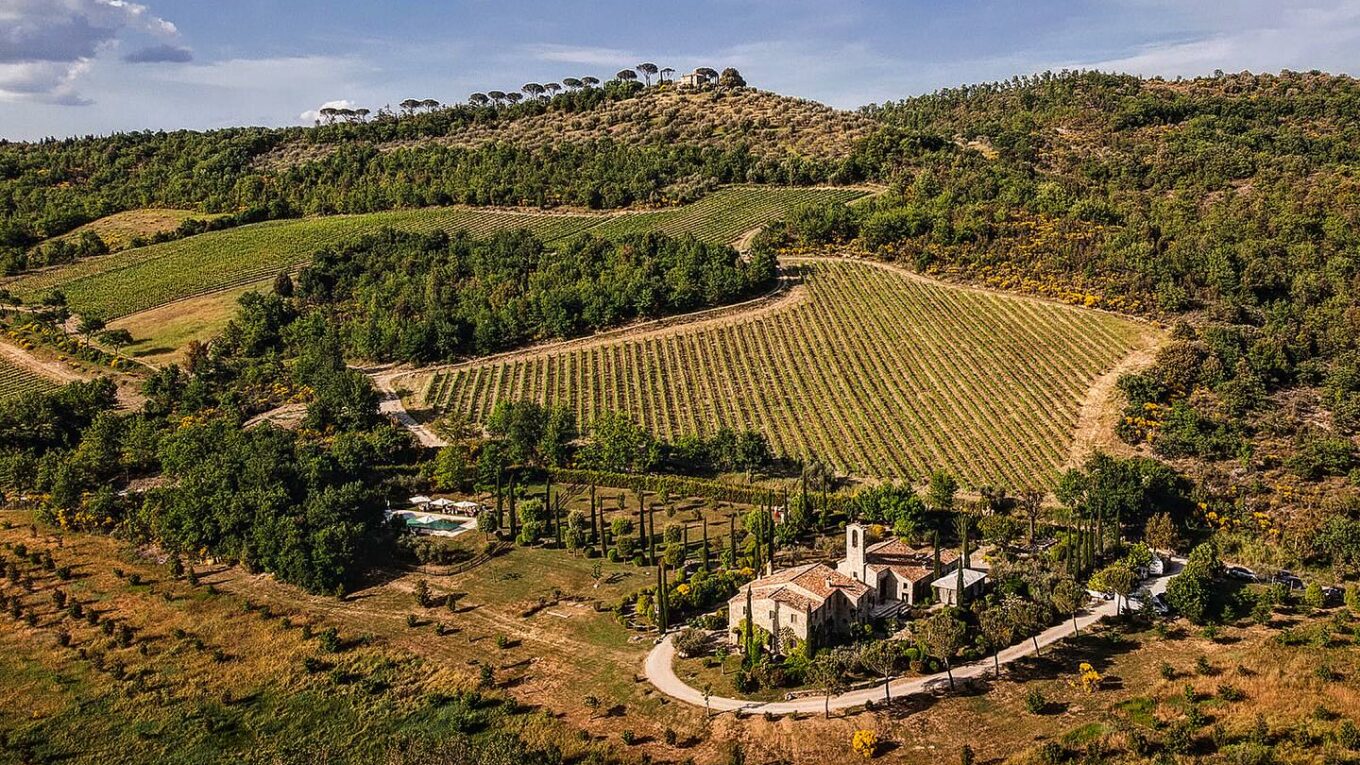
(854, 538)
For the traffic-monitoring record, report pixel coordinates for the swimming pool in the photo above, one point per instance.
(429, 523)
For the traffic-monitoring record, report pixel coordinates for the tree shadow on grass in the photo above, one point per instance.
(1099, 650)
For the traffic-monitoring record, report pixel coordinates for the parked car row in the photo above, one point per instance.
(1330, 595)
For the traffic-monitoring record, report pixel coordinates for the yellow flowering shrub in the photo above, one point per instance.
(865, 743)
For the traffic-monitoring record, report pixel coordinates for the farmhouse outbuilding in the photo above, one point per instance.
(947, 587)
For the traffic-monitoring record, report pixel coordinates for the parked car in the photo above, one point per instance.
(1241, 573)
(1289, 580)
(937, 687)
(1160, 605)
(1100, 595)
(1332, 596)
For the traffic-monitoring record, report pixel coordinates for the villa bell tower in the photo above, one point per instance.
(854, 551)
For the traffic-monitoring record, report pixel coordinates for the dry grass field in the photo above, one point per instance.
(118, 230)
(770, 125)
(224, 667)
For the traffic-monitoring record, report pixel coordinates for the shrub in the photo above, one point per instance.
(1035, 701)
(691, 642)
(628, 736)
(1203, 667)
(864, 743)
(1229, 692)
(1348, 735)
(1167, 671)
(329, 640)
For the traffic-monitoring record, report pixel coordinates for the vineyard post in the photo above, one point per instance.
(684, 545)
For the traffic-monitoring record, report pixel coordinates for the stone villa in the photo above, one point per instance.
(809, 600)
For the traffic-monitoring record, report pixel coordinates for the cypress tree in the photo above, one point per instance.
(651, 532)
(642, 525)
(594, 526)
(499, 498)
(513, 521)
(732, 538)
(750, 626)
(704, 554)
(963, 558)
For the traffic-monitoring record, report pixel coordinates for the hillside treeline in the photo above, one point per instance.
(50, 188)
(1228, 207)
(437, 297)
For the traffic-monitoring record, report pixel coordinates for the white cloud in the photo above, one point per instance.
(312, 115)
(1252, 35)
(585, 55)
(46, 45)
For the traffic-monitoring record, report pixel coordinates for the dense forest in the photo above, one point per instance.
(437, 297)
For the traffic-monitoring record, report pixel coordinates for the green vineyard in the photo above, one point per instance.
(875, 370)
(135, 280)
(16, 380)
(142, 278)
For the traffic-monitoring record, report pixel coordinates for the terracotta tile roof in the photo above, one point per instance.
(805, 587)
(908, 563)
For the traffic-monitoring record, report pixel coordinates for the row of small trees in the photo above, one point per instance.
(703, 76)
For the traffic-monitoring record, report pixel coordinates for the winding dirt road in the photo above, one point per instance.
(659, 667)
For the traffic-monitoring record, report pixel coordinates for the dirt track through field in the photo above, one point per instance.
(52, 370)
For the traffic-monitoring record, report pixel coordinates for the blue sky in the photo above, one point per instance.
(73, 67)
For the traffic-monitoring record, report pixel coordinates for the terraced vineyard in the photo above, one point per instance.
(15, 380)
(876, 370)
(146, 277)
(724, 215)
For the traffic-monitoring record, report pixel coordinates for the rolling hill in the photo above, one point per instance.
(875, 370)
(146, 277)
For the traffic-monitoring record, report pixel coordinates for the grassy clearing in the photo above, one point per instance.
(135, 280)
(118, 230)
(163, 333)
(15, 380)
(878, 371)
